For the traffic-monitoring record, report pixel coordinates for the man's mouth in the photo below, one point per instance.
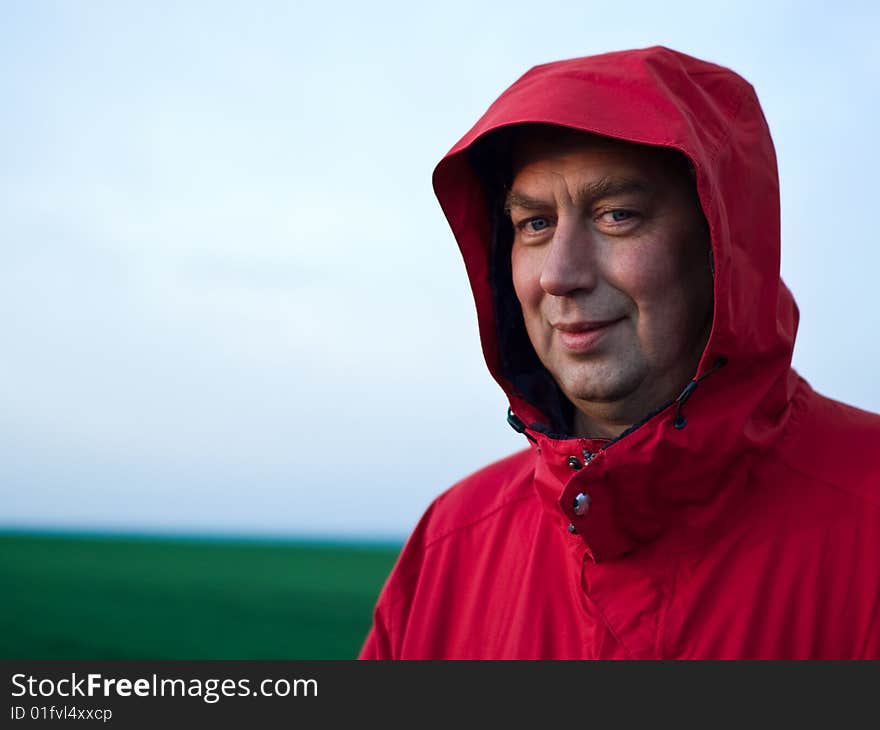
(582, 336)
(585, 326)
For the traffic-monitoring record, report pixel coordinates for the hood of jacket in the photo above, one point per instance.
(692, 449)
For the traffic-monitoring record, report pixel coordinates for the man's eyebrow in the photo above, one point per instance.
(607, 187)
(514, 199)
(587, 194)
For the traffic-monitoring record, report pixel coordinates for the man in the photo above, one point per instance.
(684, 493)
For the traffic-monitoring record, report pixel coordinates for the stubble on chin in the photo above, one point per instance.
(602, 387)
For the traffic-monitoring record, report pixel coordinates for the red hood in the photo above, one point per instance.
(657, 96)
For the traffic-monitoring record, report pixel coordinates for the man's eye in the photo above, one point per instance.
(535, 225)
(617, 217)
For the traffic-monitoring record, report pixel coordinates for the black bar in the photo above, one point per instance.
(268, 694)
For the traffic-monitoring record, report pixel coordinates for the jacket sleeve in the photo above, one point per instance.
(377, 645)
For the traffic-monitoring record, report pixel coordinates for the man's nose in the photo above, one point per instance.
(570, 262)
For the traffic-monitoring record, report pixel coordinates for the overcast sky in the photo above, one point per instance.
(229, 301)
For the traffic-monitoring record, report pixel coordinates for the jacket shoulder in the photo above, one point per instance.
(835, 443)
(479, 495)
(465, 504)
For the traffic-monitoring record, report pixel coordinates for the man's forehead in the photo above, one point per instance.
(535, 142)
(513, 147)
(525, 137)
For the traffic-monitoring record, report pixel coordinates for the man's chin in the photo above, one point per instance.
(602, 392)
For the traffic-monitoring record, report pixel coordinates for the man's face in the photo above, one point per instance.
(611, 267)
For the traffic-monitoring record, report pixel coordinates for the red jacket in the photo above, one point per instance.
(752, 532)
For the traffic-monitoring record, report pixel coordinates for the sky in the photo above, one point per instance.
(229, 302)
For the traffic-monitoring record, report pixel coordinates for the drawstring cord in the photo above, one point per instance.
(680, 421)
(517, 425)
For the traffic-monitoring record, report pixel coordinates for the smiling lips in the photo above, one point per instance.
(581, 337)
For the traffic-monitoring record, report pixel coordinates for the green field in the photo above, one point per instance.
(78, 597)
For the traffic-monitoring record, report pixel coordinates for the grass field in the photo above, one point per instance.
(69, 597)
